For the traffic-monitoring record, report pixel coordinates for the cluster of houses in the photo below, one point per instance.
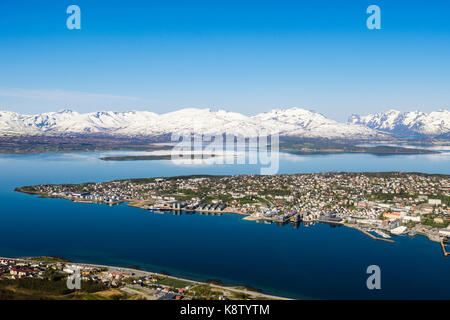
(15, 269)
(87, 197)
(10, 269)
(110, 277)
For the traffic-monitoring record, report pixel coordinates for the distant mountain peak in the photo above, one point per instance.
(407, 123)
(69, 111)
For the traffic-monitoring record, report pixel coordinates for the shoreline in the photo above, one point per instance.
(139, 273)
(149, 205)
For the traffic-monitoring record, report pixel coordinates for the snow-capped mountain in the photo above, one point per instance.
(307, 123)
(407, 123)
(290, 122)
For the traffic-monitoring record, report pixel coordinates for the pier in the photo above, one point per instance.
(369, 234)
(374, 237)
(444, 249)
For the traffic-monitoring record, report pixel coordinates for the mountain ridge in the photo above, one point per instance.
(435, 123)
(289, 122)
(297, 122)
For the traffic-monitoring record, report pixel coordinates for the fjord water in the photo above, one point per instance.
(319, 261)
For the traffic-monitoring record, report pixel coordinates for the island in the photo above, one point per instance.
(381, 204)
(157, 157)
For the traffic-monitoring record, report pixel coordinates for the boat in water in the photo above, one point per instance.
(382, 233)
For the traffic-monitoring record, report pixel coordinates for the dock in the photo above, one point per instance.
(374, 237)
(370, 235)
(444, 249)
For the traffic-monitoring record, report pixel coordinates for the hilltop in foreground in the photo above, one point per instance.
(48, 278)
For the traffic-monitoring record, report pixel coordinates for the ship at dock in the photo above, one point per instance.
(330, 217)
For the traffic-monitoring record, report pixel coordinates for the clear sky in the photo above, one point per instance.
(244, 56)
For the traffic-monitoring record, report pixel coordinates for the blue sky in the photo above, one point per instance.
(244, 56)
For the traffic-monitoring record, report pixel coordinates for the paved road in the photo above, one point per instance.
(146, 296)
(140, 273)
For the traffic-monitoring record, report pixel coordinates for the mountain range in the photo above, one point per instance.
(413, 123)
(289, 122)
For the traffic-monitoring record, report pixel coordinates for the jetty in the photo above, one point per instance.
(369, 234)
(444, 249)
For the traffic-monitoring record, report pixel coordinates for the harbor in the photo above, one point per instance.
(371, 235)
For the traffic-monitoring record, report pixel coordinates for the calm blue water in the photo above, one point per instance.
(309, 262)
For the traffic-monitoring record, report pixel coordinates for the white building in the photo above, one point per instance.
(435, 202)
(411, 218)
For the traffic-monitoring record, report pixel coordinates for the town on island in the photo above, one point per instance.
(381, 205)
